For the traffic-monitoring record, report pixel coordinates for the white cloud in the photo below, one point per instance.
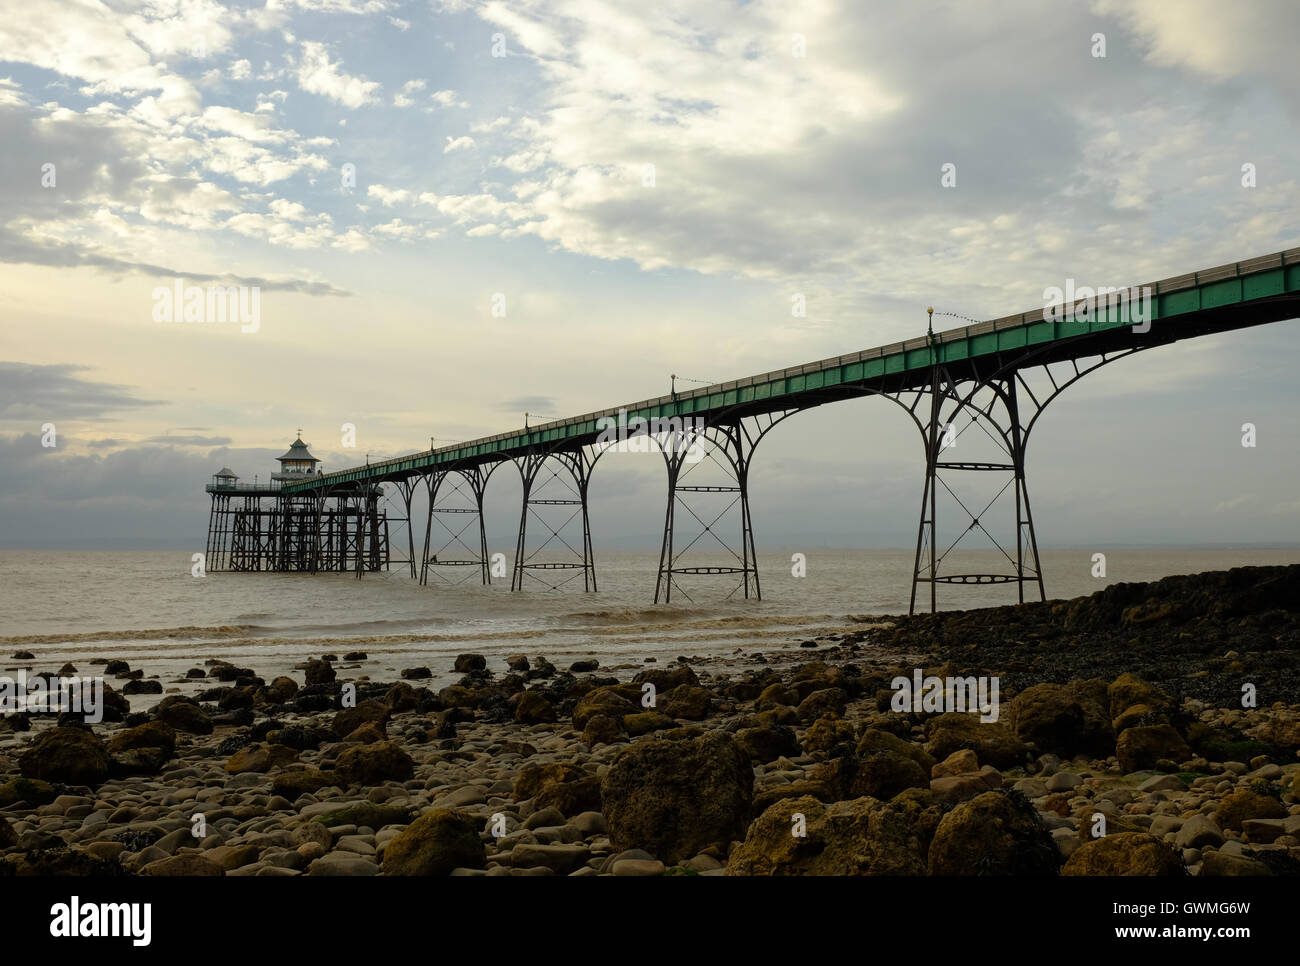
(447, 99)
(403, 98)
(486, 127)
(92, 42)
(1216, 39)
(463, 143)
(317, 74)
(398, 229)
(387, 197)
(10, 92)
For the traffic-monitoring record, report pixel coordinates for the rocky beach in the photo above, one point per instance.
(1148, 729)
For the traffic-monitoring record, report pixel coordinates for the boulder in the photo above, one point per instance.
(532, 779)
(349, 720)
(675, 797)
(1267, 830)
(688, 702)
(186, 864)
(886, 773)
(1243, 804)
(993, 742)
(776, 695)
(960, 788)
(1140, 748)
(402, 697)
(1137, 715)
(958, 763)
(768, 743)
(374, 764)
(560, 785)
(293, 782)
(644, 722)
(319, 672)
(874, 739)
(822, 702)
(74, 756)
(151, 734)
(1281, 730)
(140, 761)
(993, 834)
(533, 708)
(1129, 689)
(183, 714)
(826, 732)
(603, 729)
(368, 733)
(1220, 863)
(560, 858)
(28, 790)
(861, 836)
(1066, 719)
(465, 663)
(142, 687)
(606, 700)
(457, 696)
(435, 843)
(1124, 853)
(372, 814)
(1198, 832)
(665, 679)
(571, 797)
(260, 757)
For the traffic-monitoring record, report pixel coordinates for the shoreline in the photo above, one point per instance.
(522, 767)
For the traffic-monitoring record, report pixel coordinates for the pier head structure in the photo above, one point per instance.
(994, 377)
(266, 526)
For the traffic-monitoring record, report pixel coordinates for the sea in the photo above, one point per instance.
(147, 608)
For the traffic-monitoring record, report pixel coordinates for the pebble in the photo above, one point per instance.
(1063, 781)
(342, 863)
(637, 867)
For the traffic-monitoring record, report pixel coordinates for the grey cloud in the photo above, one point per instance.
(55, 392)
(190, 440)
(20, 251)
(93, 161)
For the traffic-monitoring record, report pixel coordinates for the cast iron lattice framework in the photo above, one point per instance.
(457, 508)
(998, 375)
(253, 528)
(728, 447)
(556, 485)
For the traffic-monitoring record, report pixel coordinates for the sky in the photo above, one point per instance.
(454, 212)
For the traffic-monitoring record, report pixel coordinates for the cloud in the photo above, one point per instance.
(463, 143)
(698, 138)
(136, 496)
(90, 41)
(120, 194)
(190, 440)
(317, 74)
(404, 98)
(59, 392)
(387, 196)
(447, 98)
(1213, 39)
